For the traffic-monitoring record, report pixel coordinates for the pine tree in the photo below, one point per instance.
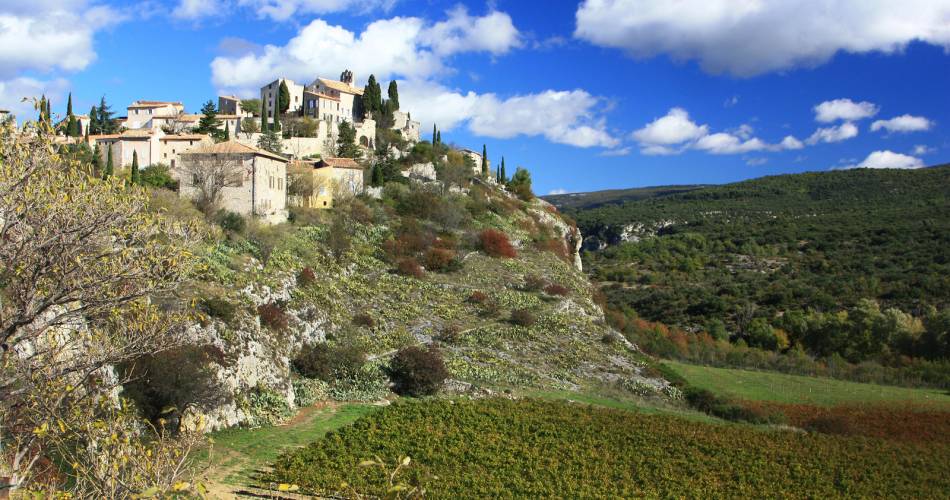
(135, 167)
(346, 142)
(484, 161)
(93, 127)
(106, 123)
(393, 94)
(108, 170)
(283, 98)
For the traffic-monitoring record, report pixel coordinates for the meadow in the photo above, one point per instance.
(532, 447)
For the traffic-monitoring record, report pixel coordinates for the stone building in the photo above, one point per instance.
(151, 114)
(476, 158)
(254, 181)
(326, 179)
(153, 146)
(403, 122)
(270, 93)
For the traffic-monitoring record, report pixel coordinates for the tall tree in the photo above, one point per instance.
(108, 171)
(270, 141)
(393, 94)
(106, 123)
(520, 184)
(346, 142)
(438, 137)
(135, 167)
(283, 97)
(484, 161)
(376, 176)
(209, 122)
(93, 127)
(69, 105)
(264, 124)
(72, 126)
(42, 115)
(434, 130)
(372, 96)
(227, 131)
(96, 159)
(504, 177)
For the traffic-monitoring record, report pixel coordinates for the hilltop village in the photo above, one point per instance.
(295, 145)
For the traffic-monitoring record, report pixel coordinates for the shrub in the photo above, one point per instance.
(231, 221)
(218, 307)
(272, 316)
(306, 277)
(556, 289)
(534, 283)
(409, 267)
(339, 237)
(553, 245)
(478, 297)
(440, 259)
(364, 319)
(157, 175)
(300, 216)
(417, 372)
(450, 333)
(329, 363)
(523, 317)
(308, 391)
(707, 402)
(495, 243)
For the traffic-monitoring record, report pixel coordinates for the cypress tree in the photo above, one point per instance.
(504, 178)
(96, 158)
(135, 167)
(93, 127)
(376, 177)
(438, 137)
(69, 105)
(42, 116)
(498, 174)
(227, 131)
(264, 116)
(393, 94)
(108, 171)
(484, 161)
(433, 134)
(283, 98)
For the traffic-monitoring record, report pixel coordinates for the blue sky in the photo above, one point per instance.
(586, 95)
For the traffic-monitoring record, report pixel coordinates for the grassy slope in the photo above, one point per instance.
(781, 388)
(533, 448)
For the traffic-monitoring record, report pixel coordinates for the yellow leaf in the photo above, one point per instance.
(181, 486)
(287, 487)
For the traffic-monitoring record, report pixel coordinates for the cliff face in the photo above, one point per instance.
(469, 309)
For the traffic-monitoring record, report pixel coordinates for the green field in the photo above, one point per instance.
(753, 385)
(537, 448)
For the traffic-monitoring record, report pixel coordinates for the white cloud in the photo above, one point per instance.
(903, 123)
(756, 162)
(196, 9)
(564, 117)
(844, 109)
(676, 132)
(838, 133)
(751, 37)
(557, 191)
(730, 102)
(673, 129)
(13, 92)
(281, 10)
(922, 149)
(888, 159)
(624, 151)
(405, 47)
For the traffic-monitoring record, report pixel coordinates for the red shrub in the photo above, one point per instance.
(364, 319)
(495, 243)
(478, 297)
(306, 277)
(439, 259)
(409, 267)
(555, 246)
(556, 289)
(272, 316)
(523, 317)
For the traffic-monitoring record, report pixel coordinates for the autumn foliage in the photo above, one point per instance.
(496, 244)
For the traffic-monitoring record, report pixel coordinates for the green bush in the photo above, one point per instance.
(231, 221)
(328, 363)
(218, 307)
(417, 372)
(157, 176)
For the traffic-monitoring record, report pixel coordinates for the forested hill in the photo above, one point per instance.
(813, 242)
(594, 199)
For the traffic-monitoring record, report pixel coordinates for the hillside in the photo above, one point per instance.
(594, 199)
(411, 268)
(771, 261)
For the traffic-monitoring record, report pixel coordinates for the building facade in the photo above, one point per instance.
(255, 181)
(328, 179)
(152, 146)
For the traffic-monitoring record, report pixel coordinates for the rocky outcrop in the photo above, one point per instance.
(547, 214)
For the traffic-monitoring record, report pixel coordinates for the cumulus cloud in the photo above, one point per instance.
(278, 10)
(196, 9)
(903, 123)
(674, 129)
(15, 90)
(922, 149)
(838, 133)
(844, 109)
(676, 132)
(751, 37)
(888, 159)
(407, 47)
(564, 117)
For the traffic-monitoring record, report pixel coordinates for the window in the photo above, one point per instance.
(165, 155)
(195, 180)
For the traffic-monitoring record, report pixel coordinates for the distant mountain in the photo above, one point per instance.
(594, 199)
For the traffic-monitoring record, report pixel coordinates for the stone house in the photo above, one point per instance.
(270, 93)
(476, 158)
(151, 114)
(231, 105)
(326, 179)
(255, 181)
(409, 128)
(153, 146)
